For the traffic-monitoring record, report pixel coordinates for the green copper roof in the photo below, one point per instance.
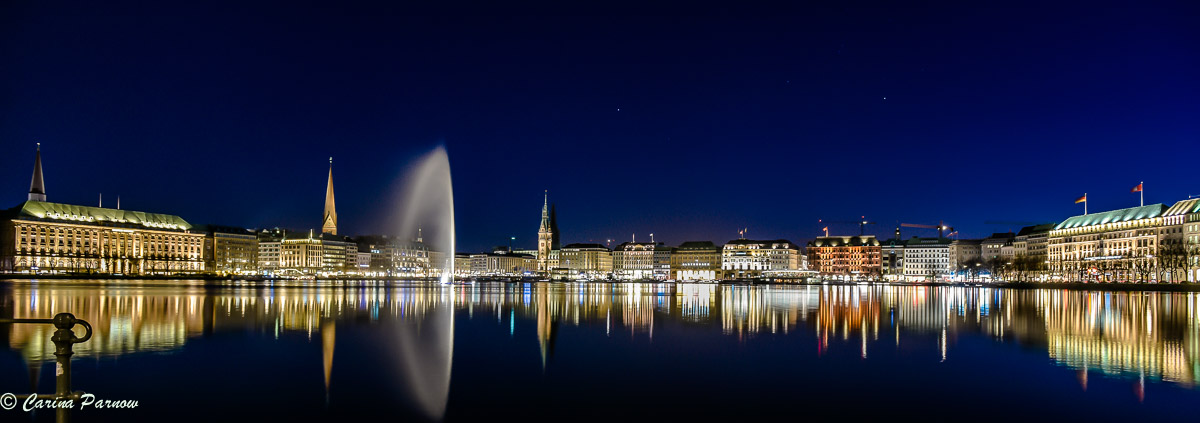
(67, 212)
(1183, 207)
(1122, 215)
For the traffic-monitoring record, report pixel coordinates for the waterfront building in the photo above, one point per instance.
(966, 257)
(322, 254)
(1175, 252)
(846, 257)
(696, 261)
(478, 264)
(891, 259)
(926, 259)
(229, 250)
(1031, 241)
(1191, 238)
(462, 264)
(1029, 249)
(270, 246)
(437, 262)
(662, 262)
(501, 262)
(992, 247)
(633, 261)
(744, 258)
(391, 256)
(586, 261)
(1117, 245)
(363, 264)
(43, 237)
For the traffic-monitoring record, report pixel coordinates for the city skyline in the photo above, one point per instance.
(38, 189)
(901, 114)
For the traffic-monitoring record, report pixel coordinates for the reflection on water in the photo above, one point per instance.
(1142, 336)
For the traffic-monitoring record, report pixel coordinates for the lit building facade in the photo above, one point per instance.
(633, 261)
(392, 256)
(228, 250)
(323, 254)
(1117, 245)
(992, 248)
(270, 247)
(502, 263)
(744, 258)
(966, 257)
(662, 261)
(1191, 241)
(38, 236)
(1176, 253)
(586, 261)
(1031, 241)
(926, 259)
(891, 259)
(847, 257)
(696, 261)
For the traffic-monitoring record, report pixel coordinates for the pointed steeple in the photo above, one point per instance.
(330, 222)
(545, 236)
(546, 211)
(37, 188)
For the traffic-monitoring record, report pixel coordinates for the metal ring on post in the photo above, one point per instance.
(87, 326)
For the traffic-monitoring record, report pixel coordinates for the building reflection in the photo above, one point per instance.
(1137, 335)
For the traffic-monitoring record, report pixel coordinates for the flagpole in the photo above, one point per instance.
(1142, 191)
(1085, 204)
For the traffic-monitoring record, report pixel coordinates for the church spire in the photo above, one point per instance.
(37, 187)
(546, 211)
(330, 223)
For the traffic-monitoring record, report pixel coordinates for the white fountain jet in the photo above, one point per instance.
(427, 210)
(421, 350)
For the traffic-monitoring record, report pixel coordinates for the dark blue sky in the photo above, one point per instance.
(636, 120)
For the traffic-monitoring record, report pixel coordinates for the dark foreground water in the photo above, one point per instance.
(614, 352)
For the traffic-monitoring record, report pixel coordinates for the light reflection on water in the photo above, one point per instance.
(1142, 336)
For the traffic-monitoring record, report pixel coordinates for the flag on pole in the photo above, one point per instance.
(1138, 188)
(1082, 199)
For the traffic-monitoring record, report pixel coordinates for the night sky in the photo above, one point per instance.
(683, 122)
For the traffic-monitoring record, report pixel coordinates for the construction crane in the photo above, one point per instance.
(862, 224)
(941, 227)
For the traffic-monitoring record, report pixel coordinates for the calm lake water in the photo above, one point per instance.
(597, 351)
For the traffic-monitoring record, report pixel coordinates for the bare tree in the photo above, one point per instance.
(1193, 256)
(1142, 267)
(1172, 257)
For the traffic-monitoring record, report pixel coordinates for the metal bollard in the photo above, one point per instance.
(64, 338)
